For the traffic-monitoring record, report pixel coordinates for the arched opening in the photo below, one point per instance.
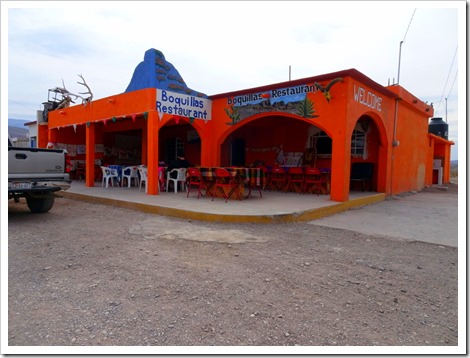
(366, 154)
(181, 136)
(275, 139)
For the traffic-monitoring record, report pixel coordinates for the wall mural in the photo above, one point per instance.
(292, 100)
(326, 90)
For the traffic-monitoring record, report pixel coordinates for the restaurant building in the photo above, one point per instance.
(328, 121)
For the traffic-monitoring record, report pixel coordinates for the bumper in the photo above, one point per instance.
(28, 186)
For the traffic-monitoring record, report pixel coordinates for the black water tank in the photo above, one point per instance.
(438, 127)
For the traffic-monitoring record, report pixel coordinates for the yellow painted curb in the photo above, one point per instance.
(307, 215)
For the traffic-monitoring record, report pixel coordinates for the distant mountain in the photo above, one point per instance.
(16, 132)
(156, 72)
(17, 123)
(17, 129)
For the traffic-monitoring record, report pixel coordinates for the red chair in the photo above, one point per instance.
(277, 179)
(81, 171)
(265, 176)
(194, 180)
(312, 181)
(295, 179)
(254, 183)
(225, 182)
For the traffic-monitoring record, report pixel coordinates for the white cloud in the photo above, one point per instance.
(225, 46)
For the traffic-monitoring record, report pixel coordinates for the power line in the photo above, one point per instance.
(448, 75)
(451, 91)
(453, 83)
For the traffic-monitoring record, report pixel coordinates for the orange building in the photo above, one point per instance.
(326, 121)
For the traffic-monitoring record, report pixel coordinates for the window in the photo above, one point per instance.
(358, 143)
(324, 143)
(172, 147)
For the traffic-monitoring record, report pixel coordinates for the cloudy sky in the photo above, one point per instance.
(223, 46)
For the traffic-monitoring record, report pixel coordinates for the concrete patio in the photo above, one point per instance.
(271, 207)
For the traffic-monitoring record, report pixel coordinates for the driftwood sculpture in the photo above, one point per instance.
(67, 95)
(88, 99)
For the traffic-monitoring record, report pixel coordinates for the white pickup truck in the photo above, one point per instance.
(38, 175)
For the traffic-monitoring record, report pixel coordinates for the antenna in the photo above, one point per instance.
(399, 61)
(289, 72)
(446, 110)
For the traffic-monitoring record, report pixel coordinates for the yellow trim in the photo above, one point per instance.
(307, 215)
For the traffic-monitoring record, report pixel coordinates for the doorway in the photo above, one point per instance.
(237, 153)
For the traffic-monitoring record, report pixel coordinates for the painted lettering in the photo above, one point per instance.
(368, 98)
(275, 93)
(183, 105)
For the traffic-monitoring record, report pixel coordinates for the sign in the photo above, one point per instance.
(179, 104)
(288, 100)
(287, 95)
(367, 98)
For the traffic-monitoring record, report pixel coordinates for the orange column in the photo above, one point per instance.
(90, 154)
(152, 152)
(446, 174)
(43, 136)
(340, 168)
(210, 148)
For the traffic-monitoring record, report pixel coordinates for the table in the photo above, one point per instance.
(252, 177)
(326, 179)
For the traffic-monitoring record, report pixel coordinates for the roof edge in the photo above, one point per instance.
(353, 73)
(440, 139)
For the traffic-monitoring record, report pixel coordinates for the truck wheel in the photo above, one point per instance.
(40, 205)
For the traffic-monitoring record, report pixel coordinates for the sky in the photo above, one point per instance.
(223, 46)
(219, 47)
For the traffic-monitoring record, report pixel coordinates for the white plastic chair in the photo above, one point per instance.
(180, 178)
(130, 173)
(143, 176)
(109, 173)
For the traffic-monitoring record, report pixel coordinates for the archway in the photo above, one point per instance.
(369, 145)
(181, 136)
(270, 139)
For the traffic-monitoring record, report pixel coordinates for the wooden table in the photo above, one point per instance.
(243, 176)
(326, 179)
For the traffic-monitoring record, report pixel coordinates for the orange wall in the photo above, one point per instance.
(397, 168)
(105, 109)
(410, 157)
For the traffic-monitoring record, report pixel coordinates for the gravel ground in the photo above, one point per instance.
(93, 275)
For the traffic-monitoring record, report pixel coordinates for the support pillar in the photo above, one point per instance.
(90, 154)
(340, 168)
(152, 152)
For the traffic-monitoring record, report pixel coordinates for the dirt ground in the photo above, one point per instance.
(93, 275)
